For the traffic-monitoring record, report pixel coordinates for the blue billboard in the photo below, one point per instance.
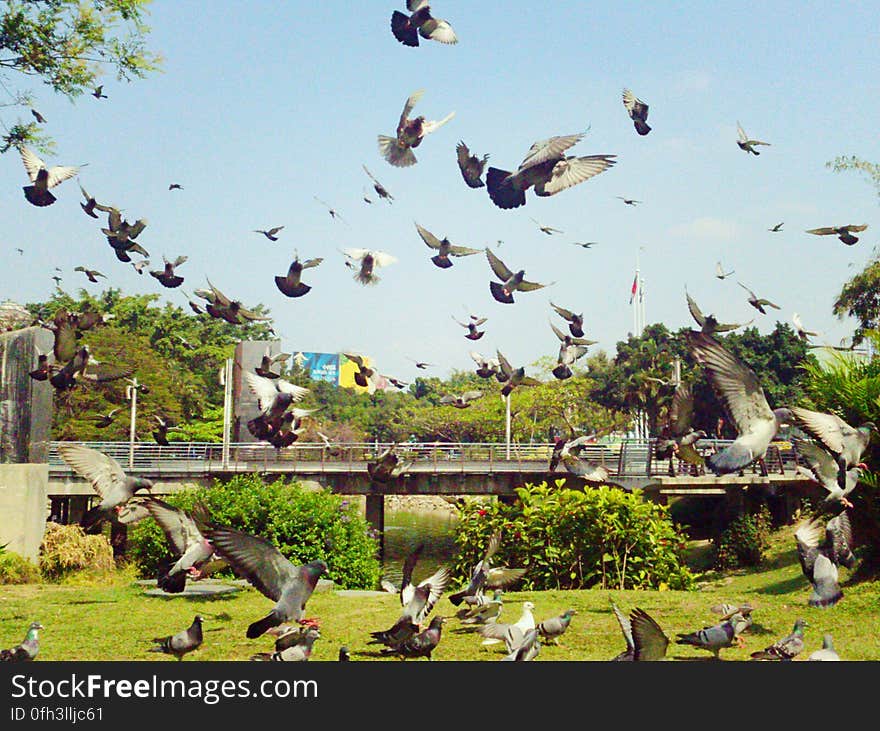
(320, 366)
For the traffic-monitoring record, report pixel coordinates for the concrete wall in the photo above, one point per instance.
(248, 355)
(25, 404)
(23, 507)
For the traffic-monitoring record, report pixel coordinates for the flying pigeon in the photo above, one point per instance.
(787, 648)
(43, 178)
(471, 327)
(645, 640)
(420, 364)
(175, 186)
(846, 443)
(221, 307)
(420, 22)
(545, 168)
(91, 204)
(827, 653)
(463, 400)
(107, 477)
(334, 214)
(39, 117)
(274, 396)
(444, 247)
(387, 466)
(271, 234)
(515, 376)
(708, 324)
(27, 650)
(161, 433)
(270, 573)
(585, 244)
(637, 110)
(471, 166)
(822, 469)
(718, 636)
(380, 189)
(300, 651)
(267, 361)
(629, 201)
(802, 332)
(410, 133)
(821, 548)
(844, 233)
(98, 93)
(776, 228)
(487, 367)
(677, 438)
(181, 643)
(549, 230)
(365, 262)
(758, 304)
(166, 276)
(102, 421)
(745, 143)
(419, 599)
(365, 375)
(720, 273)
(555, 627)
(510, 282)
(570, 350)
(575, 322)
(480, 609)
(91, 274)
(740, 391)
(290, 284)
(121, 234)
(482, 571)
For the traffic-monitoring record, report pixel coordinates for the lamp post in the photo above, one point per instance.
(226, 382)
(131, 392)
(507, 424)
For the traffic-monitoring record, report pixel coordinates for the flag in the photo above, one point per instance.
(634, 287)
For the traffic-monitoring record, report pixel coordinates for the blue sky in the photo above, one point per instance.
(263, 105)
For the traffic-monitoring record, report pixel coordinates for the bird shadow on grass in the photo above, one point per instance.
(198, 599)
(759, 629)
(373, 654)
(89, 601)
(786, 586)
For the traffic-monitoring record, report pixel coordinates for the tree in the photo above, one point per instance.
(870, 170)
(68, 45)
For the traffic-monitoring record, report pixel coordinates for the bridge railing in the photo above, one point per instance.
(621, 459)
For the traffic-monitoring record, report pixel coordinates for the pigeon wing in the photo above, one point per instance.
(549, 149)
(695, 311)
(408, 107)
(32, 163)
(829, 429)
(573, 170)
(428, 237)
(104, 472)
(498, 266)
(649, 640)
(59, 174)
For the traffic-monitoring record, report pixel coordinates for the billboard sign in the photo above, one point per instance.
(319, 366)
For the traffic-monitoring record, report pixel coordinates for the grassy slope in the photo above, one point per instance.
(111, 619)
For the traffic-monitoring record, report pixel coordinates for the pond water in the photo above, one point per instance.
(404, 530)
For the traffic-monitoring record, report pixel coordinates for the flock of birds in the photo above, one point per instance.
(833, 454)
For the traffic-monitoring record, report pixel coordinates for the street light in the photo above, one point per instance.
(507, 423)
(131, 392)
(226, 382)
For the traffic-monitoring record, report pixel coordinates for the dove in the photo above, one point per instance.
(27, 650)
(181, 643)
(471, 327)
(487, 367)
(380, 189)
(291, 285)
(514, 376)
(471, 166)
(418, 605)
(555, 627)
(708, 324)
(480, 609)
(102, 421)
(827, 653)
(43, 178)
(629, 201)
(777, 228)
(420, 364)
(821, 548)
(463, 400)
(575, 321)
(298, 652)
(546, 169)
(787, 648)
(549, 230)
(846, 443)
(637, 110)
(745, 143)
(677, 437)
(166, 276)
(570, 349)
(365, 375)
(717, 636)
(758, 304)
(739, 389)
(262, 564)
(822, 469)
(107, 477)
(510, 634)
(98, 93)
(91, 204)
(387, 466)
(161, 433)
(422, 644)
(720, 273)
(844, 233)
(801, 331)
(175, 186)
(267, 361)
(368, 262)
(410, 133)
(528, 648)
(484, 576)
(645, 640)
(271, 234)
(510, 282)
(91, 274)
(39, 117)
(334, 214)
(221, 307)
(420, 22)
(444, 247)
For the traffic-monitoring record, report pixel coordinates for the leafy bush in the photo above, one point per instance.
(304, 524)
(745, 541)
(577, 539)
(67, 548)
(16, 569)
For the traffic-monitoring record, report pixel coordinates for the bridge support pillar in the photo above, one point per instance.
(375, 515)
(734, 503)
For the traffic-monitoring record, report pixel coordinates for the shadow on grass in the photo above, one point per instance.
(89, 601)
(787, 586)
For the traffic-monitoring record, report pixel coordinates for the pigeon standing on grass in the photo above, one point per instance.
(27, 650)
(555, 627)
(827, 653)
(718, 636)
(181, 643)
(263, 565)
(108, 479)
(424, 643)
(787, 648)
(299, 652)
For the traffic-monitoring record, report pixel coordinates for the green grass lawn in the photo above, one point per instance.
(112, 619)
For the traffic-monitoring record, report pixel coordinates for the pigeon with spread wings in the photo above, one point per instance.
(514, 376)
(291, 284)
(445, 248)
(471, 166)
(420, 22)
(757, 303)
(43, 178)
(844, 233)
(745, 143)
(167, 276)
(510, 282)
(365, 262)
(708, 324)
(410, 133)
(380, 189)
(545, 168)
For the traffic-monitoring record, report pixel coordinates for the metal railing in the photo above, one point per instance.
(621, 459)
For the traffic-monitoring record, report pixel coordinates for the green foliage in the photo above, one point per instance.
(575, 539)
(16, 569)
(745, 541)
(67, 549)
(69, 45)
(304, 524)
(870, 170)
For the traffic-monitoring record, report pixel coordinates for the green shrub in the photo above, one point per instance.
(577, 539)
(16, 569)
(745, 541)
(67, 548)
(304, 524)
